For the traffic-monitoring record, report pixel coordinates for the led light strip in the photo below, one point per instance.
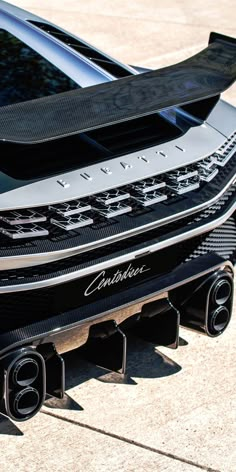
(22, 232)
(20, 217)
(70, 208)
(72, 222)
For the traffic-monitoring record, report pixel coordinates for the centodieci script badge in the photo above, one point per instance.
(101, 281)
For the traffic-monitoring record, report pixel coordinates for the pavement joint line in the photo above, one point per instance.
(131, 442)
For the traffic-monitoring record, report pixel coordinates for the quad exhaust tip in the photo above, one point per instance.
(208, 305)
(24, 383)
(25, 371)
(221, 291)
(218, 320)
(26, 402)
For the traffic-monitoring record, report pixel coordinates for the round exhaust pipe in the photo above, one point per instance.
(25, 371)
(221, 291)
(26, 402)
(206, 305)
(218, 320)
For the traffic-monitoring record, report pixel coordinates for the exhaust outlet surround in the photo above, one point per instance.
(208, 308)
(24, 383)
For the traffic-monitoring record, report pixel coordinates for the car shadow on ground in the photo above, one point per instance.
(144, 360)
(8, 428)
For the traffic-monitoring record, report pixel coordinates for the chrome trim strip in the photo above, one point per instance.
(31, 230)
(184, 186)
(66, 209)
(198, 142)
(147, 185)
(72, 222)
(114, 196)
(149, 198)
(122, 259)
(20, 218)
(112, 210)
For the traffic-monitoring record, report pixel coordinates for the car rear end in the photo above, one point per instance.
(117, 220)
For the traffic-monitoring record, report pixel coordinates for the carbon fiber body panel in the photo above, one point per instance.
(66, 329)
(205, 75)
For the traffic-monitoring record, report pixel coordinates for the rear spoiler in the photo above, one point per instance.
(203, 76)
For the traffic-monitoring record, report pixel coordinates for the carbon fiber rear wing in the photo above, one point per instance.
(205, 75)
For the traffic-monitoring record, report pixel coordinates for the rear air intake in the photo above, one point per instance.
(87, 51)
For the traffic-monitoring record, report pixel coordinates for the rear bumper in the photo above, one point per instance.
(63, 314)
(30, 362)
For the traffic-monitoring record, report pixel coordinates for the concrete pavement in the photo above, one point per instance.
(153, 33)
(178, 413)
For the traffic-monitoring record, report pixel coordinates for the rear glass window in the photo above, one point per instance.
(25, 75)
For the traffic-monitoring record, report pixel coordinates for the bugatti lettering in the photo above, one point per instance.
(101, 281)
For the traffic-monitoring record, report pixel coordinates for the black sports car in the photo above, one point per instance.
(117, 203)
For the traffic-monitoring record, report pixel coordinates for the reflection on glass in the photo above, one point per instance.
(25, 75)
